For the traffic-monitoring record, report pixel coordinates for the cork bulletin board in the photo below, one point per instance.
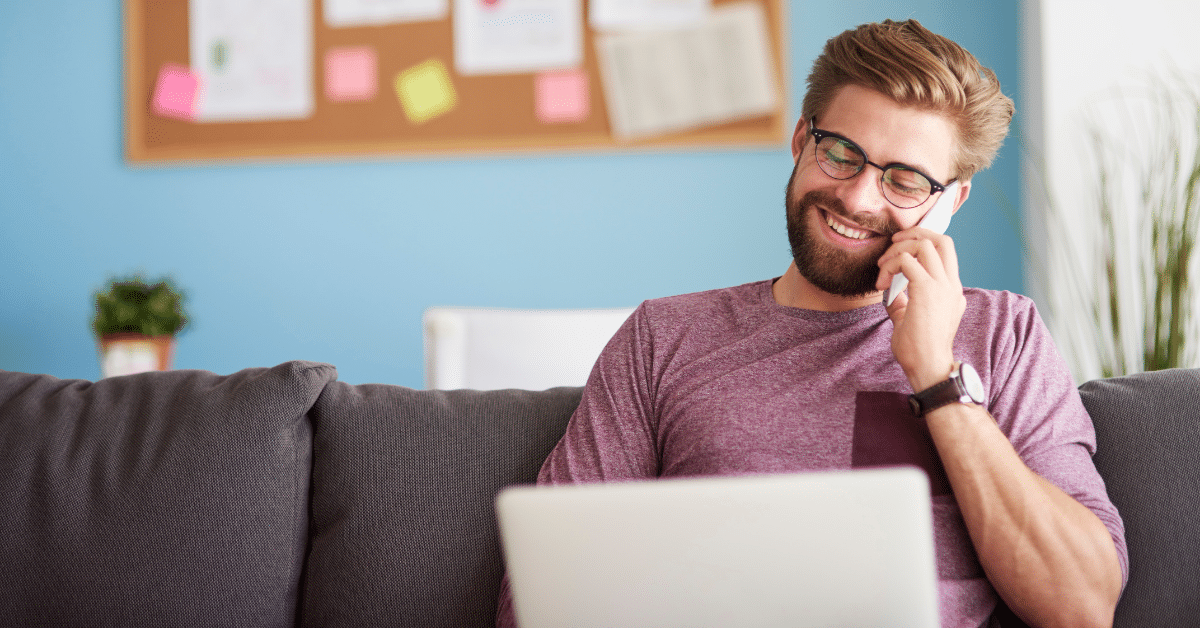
(488, 114)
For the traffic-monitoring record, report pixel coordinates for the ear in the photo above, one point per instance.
(799, 137)
(964, 190)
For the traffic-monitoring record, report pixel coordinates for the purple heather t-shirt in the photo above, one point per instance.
(729, 382)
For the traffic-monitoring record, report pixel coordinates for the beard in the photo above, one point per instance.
(831, 269)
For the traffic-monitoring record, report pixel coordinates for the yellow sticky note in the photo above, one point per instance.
(425, 91)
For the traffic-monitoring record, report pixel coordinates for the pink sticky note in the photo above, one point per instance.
(350, 74)
(561, 96)
(175, 92)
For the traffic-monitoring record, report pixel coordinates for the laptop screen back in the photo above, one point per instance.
(844, 548)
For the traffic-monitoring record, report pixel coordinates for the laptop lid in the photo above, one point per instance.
(843, 548)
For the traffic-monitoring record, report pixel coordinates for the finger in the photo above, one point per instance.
(922, 251)
(914, 233)
(917, 233)
(888, 269)
(931, 259)
(943, 243)
(896, 310)
(913, 268)
(898, 248)
(902, 262)
(928, 252)
(949, 256)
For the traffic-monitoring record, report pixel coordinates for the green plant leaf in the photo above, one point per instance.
(133, 305)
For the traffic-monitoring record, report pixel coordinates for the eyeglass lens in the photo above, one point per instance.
(902, 186)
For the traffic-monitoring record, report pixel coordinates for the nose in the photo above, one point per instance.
(861, 193)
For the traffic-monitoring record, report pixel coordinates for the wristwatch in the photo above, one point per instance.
(964, 386)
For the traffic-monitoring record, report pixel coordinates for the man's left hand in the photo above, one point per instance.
(927, 318)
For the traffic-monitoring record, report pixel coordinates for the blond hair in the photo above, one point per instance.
(916, 67)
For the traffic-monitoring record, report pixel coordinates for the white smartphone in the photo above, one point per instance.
(936, 219)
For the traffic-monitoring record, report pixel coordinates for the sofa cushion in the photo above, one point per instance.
(172, 498)
(1148, 451)
(403, 528)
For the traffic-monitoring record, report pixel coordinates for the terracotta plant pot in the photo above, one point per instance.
(126, 354)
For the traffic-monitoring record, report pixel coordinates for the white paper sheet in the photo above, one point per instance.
(662, 82)
(254, 58)
(647, 14)
(342, 13)
(513, 36)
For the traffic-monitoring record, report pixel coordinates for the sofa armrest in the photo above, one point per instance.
(1148, 452)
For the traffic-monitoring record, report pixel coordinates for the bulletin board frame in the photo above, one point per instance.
(494, 114)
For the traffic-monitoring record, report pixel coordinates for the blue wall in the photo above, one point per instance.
(335, 261)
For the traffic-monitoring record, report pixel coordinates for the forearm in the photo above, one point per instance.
(1048, 556)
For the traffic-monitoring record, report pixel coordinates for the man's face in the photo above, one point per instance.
(838, 229)
(844, 271)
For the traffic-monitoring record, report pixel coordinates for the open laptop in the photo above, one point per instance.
(842, 548)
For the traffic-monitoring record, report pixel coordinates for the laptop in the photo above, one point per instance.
(840, 548)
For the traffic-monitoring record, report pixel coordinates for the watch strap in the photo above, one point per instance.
(934, 397)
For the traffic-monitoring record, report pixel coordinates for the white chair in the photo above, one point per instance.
(490, 349)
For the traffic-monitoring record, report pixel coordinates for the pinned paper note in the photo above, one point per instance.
(561, 96)
(342, 13)
(350, 74)
(517, 36)
(175, 92)
(646, 14)
(254, 59)
(658, 82)
(425, 91)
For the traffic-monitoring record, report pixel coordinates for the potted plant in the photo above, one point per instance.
(136, 323)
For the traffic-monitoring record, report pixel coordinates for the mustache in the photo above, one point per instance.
(832, 204)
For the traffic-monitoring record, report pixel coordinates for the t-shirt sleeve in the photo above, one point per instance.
(611, 436)
(1036, 404)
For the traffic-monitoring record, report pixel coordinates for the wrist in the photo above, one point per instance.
(962, 386)
(929, 375)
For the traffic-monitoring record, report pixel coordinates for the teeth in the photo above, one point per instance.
(853, 234)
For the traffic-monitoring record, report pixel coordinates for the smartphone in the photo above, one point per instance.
(936, 219)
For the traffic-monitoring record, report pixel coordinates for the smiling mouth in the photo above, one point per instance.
(845, 230)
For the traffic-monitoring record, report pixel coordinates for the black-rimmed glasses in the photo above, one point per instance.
(903, 186)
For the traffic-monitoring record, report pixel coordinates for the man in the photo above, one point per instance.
(812, 371)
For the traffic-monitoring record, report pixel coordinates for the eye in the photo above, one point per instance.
(840, 154)
(907, 182)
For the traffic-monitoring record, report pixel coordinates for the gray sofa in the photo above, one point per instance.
(282, 497)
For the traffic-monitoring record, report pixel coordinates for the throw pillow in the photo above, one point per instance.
(175, 498)
(403, 528)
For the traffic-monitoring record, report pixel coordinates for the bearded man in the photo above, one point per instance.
(798, 372)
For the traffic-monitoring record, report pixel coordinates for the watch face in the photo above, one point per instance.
(973, 384)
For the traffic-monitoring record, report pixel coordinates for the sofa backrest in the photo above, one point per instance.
(161, 499)
(184, 497)
(403, 523)
(1148, 452)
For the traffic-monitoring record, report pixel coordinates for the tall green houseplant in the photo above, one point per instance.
(1139, 295)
